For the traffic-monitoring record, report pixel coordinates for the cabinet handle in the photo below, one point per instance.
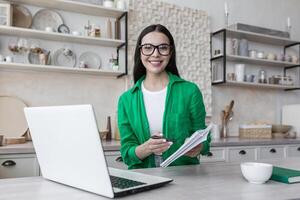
(272, 150)
(210, 154)
(242, 152)
(119, 159)
(298, 149)
(9, 163)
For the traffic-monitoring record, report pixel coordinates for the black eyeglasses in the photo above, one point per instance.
(163, 49)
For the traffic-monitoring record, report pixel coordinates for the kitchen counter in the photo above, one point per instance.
(114, 145)
(205, 181)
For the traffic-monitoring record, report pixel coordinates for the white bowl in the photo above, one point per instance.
(257, 173)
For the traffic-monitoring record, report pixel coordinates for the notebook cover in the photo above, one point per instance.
(285, 175)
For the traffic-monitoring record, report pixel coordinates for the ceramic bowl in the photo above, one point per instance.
(257, 173)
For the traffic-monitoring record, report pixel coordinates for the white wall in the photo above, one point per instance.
(250, 104)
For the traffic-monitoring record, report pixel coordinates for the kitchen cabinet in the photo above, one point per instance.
(18, 165)
(223, 60)
(251, 153)
(72, 7)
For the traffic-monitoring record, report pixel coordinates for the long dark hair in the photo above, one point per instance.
(139, 69)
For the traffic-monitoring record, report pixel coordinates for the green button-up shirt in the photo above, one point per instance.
(184, 114)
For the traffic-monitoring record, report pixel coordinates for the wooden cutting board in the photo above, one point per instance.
(12, 118)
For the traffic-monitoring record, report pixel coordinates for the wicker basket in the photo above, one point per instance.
(255, 131)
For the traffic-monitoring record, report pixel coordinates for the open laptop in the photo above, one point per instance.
(69, 151)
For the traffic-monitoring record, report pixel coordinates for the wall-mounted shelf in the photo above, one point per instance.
(74, 6)
(51, 68)
(60, 37)
(219, 62)
(256, 61)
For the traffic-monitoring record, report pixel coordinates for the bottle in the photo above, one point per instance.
(108, 136)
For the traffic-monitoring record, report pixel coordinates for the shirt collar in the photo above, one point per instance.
(172, 79)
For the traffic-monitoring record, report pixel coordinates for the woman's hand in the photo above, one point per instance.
(194, 151)
(156, 146)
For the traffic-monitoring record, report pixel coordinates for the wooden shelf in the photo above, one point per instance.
(60, 37)
(51, 68)
(74, 6)
(258, 85)
(261, 38)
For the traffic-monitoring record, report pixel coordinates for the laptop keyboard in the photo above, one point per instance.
(124, 183)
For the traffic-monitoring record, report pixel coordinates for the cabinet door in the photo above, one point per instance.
(113, 161)
(269, 152)
(240, 154)
(214, 155)
(293, 151)
(13, 166)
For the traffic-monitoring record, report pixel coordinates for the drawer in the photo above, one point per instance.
(271, 152)
(293, 151)
(241, 154)
(214, 155)
(111, 161)
(18, 166)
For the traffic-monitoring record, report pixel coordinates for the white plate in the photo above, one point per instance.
(62, 58)
(46, 18)
(91, 60)
(12, 118)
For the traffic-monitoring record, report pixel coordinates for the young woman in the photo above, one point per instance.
(161, 110)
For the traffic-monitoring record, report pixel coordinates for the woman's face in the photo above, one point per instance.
(159, 44)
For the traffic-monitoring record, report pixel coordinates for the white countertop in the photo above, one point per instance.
(206, 181)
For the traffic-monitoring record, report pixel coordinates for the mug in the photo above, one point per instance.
(295, 59)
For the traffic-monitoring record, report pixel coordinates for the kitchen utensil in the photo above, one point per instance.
(46, 18)
(235, 46)
(91, 60)
(64, 57)
(21, 16)
(12, 118)
(257, 173)
(239, 72)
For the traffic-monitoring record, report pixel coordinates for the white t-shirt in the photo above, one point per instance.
(155, 107)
